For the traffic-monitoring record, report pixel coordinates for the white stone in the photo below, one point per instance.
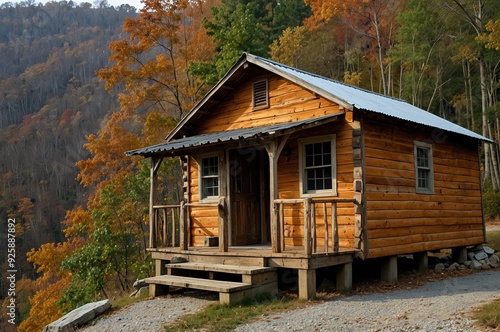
(480, 255)
(78, 317)
(488, 250)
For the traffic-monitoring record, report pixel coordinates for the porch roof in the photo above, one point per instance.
(262, 132)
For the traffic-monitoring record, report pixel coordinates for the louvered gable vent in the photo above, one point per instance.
(260, 95)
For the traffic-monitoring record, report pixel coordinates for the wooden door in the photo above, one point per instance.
(244, 169)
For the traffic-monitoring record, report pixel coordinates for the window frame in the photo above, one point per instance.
(430, 168)
(266, 104)
(303, 142)
(201, 177)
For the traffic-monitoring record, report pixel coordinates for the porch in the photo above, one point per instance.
(170, 243)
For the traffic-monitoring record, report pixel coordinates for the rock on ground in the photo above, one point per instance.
(149, 315)
(78, 317)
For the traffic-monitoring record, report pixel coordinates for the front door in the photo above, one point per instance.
(245, 189)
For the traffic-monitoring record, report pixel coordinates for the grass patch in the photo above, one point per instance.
(223, 317)
(493, 238)
(489, 315)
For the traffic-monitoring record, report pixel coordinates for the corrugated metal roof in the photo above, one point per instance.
(231, 135)
(354, 97)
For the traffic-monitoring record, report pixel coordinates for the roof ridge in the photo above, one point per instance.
(275, 63)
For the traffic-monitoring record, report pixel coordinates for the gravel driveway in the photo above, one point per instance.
(437, 306)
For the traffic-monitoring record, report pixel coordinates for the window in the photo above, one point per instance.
(209, 176)
(260, 95)
(424, 174)
(317, 166)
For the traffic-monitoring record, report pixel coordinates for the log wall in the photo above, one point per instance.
(399, 220)
(288, 102)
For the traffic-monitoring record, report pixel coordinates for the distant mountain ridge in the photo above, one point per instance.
(50, 99)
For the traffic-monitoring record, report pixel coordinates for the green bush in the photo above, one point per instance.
(491, 201)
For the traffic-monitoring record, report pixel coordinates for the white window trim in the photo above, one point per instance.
(317, 139)
(429, 190)
(200, 178)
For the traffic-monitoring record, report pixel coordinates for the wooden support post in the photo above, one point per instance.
(282, 227)
(459, 254)
(422, 261)
(344, 278)
(307, 284)
(155, 165)
(389, 269)
(223, 229)
(313, 228)
(327, 234)
(307, 226)
(273, 149)
(183, 227)
(223, 204)
(335, 226)
(156, 289)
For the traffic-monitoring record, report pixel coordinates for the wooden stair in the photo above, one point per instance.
(254, 280)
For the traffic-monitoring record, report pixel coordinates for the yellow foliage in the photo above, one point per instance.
(353, 78)
(491, 39)
(44, 308)
(287, 47)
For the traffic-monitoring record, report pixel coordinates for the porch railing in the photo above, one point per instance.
(329, 213)
(170, 224)
(166, 226)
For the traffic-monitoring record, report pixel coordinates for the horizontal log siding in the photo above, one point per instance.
(288, 187)
(288, 102)
(399, 220)
(204, 220)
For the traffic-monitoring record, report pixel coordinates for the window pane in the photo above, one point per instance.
(209, 177)
(422, 157)
(318, 166)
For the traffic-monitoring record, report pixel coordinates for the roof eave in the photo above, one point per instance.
(207, 96)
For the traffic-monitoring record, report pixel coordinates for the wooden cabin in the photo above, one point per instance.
(284, 169)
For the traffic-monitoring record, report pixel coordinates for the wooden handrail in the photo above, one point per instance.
(166, 225)
(310, 222)
(170, 224)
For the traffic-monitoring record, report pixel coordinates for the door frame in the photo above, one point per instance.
(265, 216)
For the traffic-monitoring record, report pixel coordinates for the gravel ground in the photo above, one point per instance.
(443, 305)
(437, 306)
(148, 315)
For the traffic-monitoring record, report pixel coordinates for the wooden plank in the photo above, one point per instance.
(234, 269)
(183, 228)
(196, 283)
(307, 226)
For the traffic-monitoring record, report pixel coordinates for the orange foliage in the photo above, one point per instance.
(323, 11)
(153, 62)
(51, 283)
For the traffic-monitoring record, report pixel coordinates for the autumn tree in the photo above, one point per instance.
(151, 64)
(476, 14)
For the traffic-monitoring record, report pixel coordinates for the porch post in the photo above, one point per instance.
(222, 207)
(153, 194)
(273, 149)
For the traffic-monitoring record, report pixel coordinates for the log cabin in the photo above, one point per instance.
(284, 169)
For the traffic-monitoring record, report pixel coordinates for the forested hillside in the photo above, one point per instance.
(82, 205)
(50, 99)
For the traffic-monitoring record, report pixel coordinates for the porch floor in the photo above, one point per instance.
(257, 255)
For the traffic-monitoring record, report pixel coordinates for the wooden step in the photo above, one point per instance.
(196, 283)
(234, 269)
